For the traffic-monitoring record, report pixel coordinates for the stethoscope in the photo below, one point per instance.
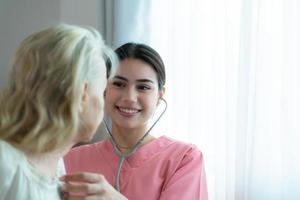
(122, 156)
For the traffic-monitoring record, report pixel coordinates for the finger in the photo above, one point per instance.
(82, 188)
(81, 198)
(83, 177)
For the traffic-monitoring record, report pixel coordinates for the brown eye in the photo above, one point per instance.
(118, 84)
(143, 87)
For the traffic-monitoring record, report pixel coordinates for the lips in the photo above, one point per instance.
(125, 111)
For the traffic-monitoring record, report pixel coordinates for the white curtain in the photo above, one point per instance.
(125, 21)
(233, 87)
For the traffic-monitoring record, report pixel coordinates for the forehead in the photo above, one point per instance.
(136, 69)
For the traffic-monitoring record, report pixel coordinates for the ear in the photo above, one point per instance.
(161, 94)
(85, 93)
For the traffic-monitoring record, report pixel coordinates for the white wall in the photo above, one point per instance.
(19, 18)
(81, 12)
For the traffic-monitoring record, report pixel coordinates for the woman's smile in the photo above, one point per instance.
(128, 111)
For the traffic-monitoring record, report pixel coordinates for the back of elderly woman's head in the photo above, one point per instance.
(40, 108)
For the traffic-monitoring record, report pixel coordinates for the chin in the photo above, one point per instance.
(87, 135)
(128, 125)
(86, 140)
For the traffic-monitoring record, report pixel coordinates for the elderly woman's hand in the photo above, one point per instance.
(88, 186)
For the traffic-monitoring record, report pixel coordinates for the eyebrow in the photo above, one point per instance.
(144, 80)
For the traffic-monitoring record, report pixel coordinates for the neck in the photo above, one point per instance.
(127, 139)
(46, 163)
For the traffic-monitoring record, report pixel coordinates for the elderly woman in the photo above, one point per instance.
(54, 101)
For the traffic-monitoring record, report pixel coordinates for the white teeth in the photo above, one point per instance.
(128, 110)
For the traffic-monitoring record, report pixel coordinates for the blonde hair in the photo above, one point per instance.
(39, 110)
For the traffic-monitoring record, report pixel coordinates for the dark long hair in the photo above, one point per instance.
(147, 55)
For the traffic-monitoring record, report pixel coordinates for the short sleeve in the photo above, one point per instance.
(189, 180)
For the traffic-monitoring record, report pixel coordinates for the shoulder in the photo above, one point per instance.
(6, 147)
(86, 149)
(17, 175)
(180, 154)
(10, 159)
(84, 155)
(183, 155)
(9, 155)
(179, 147)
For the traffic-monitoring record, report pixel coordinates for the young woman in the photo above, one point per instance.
(54, 100)
(136, 163)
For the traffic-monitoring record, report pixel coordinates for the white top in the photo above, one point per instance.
(20, 180)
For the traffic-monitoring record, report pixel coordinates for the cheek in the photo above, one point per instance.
(150, 104)
(110, 97)
(108, 103)
(90, 118)
(99, 105)
(95, 110)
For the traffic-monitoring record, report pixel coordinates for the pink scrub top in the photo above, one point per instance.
(162, 169)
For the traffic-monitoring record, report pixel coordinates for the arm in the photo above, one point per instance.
(188, 181)
(89, 186)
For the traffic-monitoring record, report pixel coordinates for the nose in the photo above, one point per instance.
(130, 94)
